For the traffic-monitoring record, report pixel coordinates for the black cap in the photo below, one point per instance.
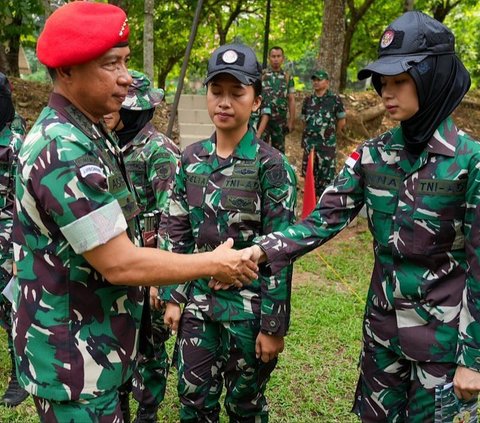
(409, 40)
(235, 59)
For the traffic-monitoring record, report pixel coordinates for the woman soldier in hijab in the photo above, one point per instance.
(420, 183)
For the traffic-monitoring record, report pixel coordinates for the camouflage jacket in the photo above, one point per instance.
(251, 193)
(424, 295)
(11, 138)
(276, 86)
(75, 335)
(151, 159)
(320, 115)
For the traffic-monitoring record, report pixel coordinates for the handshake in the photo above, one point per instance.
(235, 267)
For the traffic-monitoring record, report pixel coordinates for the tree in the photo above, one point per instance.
(333, 35)
(148, 42)
(17, 18)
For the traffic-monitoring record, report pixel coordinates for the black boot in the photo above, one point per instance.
(125, 405)
(14, 394)
(146, 414)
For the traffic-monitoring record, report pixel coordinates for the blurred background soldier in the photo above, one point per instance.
(150, 159)
(278, 86)
(323, 116)
(12, 132)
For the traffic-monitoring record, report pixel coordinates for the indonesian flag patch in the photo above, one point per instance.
(352, 159)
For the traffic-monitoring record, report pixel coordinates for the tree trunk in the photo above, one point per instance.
(14, 48)
(333, 35)
(408, 5)
(148, 40)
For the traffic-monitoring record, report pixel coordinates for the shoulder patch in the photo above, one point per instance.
(277, 195)
(163, 170)
(277, 175)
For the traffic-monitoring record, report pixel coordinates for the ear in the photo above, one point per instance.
(64, 72)
(256, 103)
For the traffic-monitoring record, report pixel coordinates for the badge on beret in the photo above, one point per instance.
(387, 38)
(230, 56)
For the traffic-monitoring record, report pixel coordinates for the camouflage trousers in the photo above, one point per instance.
(104, 408)
(324, 166)
(210, 352)
(150, 376)
(392, 388)
(275, 134)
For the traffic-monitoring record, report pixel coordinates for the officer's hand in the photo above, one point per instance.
(253, 253)
(233, 267)
(267, 347)
(466, 383)
(173, 312)
(155, 302)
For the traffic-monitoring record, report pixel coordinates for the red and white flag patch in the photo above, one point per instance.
(352, 159)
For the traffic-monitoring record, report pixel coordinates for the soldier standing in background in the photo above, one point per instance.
(231, 185)
(323, 116)
(420, 183)
(12, 132)
(78, 305)
(151, 160)
(278, 86)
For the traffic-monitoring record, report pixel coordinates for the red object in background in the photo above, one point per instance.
(309, 197)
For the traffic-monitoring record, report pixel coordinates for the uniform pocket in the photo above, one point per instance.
(381, 206)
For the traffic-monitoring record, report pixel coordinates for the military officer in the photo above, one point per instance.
(323, 116)
(77, 307)
(279, 88)
(420, 183)
(230, 185)
(12, 133)
(150, 159)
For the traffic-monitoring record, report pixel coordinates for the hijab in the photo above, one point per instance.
(133, 122)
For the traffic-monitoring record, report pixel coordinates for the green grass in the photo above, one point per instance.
(316, 375)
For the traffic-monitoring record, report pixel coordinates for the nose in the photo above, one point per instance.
(124, 78)
(225, 101)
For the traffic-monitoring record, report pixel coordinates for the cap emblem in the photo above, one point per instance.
(230, 56)
(387, 38)
(122, 29)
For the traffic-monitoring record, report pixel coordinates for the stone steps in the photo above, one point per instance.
(194, 124)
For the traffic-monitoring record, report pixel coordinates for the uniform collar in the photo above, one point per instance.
(245, 150)
(444, 140)
(64, 107)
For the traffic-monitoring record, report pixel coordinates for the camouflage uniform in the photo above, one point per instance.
(320, 115)
(75, 335)
(11, 138)
(277, 86)
(422, 315)
(151, 159)
(248, 194)
(256, 116)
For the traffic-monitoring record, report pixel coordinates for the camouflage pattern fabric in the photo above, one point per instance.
(423, 300)
(101, 409)
(448, 408)
(255, 117)
(151, 159)
(71, 198)
(203, 368)
(11, 138)
(320, 115)
(250, 193)
(276, 86)
(392, 388)
(141, 95)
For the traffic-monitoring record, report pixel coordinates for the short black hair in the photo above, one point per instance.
(257, 87)
(276, 48)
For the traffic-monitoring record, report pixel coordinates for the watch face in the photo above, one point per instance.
(230, 56)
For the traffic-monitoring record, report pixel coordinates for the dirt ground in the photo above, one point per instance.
(31, 97)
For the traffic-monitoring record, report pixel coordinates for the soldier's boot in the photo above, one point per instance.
(124, 397)
(15, 394)
(146, 414)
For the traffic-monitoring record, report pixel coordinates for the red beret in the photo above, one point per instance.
(79, 32)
